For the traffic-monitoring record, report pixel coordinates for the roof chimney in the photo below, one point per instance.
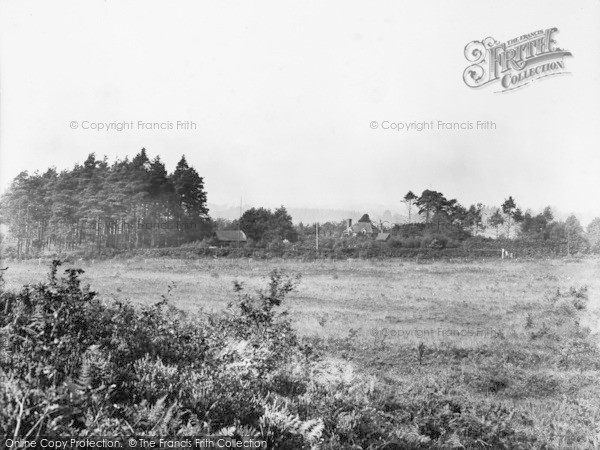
(349, 223)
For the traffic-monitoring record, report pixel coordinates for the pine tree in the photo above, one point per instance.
(162, 198)
(101, 204)
(409, 199)
(429, 203)
(512, 212)
(189, 190)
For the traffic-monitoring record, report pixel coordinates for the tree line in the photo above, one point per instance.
(136, 203)
(262, 225)
(436, 209)
(126, 204)
(508, 220)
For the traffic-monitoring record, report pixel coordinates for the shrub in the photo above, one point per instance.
(71, 364)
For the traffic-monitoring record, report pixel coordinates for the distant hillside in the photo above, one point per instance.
(305, 215)
(308, 215)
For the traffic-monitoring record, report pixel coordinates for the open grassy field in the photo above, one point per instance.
(515, 334)
(333, 298)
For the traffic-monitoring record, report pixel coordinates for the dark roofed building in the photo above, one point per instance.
(364, 228)
(227, 236)
(360, 229)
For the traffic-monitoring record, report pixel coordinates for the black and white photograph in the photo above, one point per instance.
(299, 224)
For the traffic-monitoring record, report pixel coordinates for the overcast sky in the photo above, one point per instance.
(283, 94)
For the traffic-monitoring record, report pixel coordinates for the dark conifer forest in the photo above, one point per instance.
(124, 205)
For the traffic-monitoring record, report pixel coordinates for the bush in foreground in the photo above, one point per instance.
(73, 365)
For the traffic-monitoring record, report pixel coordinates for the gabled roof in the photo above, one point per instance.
(382, 237)
(231, 236)
(363, 227)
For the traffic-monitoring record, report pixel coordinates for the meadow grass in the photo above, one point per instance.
(370, 296)
(518, 333)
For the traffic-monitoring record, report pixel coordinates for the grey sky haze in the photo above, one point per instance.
(283, 94)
